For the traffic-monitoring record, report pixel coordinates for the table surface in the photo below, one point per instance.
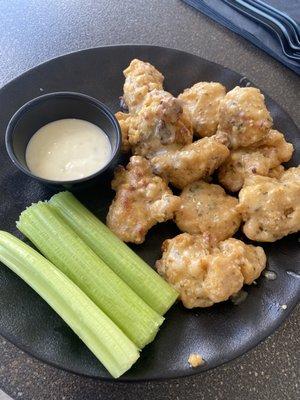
(34, 31)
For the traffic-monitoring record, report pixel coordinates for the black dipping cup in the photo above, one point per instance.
(52, 107)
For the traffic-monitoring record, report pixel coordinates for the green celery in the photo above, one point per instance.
(64, 248)
(120, 258)
(109, 344)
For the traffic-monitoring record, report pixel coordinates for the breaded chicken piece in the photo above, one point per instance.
(262, 158)
(201, 103)
(206, 208)
(159, 125)
(142, 200)
(195, 161)
(270, 207)
(244, 117)
(124, 122)
(140, 79)
(291, 175)
(205, 273)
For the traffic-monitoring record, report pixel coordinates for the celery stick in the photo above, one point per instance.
(64, 248)
(109, 344)
(120, 258)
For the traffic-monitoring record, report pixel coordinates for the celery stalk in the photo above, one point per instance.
(109, 344)
(64, 248)
(121, 259)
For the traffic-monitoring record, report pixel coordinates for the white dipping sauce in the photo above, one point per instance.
(68, 149)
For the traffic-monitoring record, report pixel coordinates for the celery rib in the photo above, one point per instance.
(157, 293)
(66, 250)
(108, 343)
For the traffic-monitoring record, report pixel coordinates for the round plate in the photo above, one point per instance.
(219, 333)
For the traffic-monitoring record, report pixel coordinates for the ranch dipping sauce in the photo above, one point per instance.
(68, 149)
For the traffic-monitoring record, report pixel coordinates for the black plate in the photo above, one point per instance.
(219, 333)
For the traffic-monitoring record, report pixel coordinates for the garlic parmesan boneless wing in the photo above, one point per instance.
(205, 273)
(160, 124)
(140, 79)
(206, 208)
(244, 117)
(201, 104)
(270, 207)
(262, 158)
(142, 200)
(195, 161)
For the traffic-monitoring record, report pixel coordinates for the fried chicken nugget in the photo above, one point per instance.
(201, 103)
(159, 124)
(270, 207)
(207, 208)
(140, 79)
(244, 117)
(205, 273)
(142, 200)
(262, 158)
(195, 161)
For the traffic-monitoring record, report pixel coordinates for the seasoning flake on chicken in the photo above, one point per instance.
(262, 158)
(195, 161)
(142, 200)
(140, 79)
(201, 103)
(270, 207)
(204, 272)
(207, 208)
(244, 117)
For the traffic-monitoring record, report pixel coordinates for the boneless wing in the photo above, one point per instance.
(205, 207)
(140, 79)
(142, 200)
(201, 103)
(270, 207)
(195, 161)
(262, 158)
(160, 124)
(243, 115)
(204, 272)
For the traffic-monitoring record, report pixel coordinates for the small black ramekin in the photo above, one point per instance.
(54, 106)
